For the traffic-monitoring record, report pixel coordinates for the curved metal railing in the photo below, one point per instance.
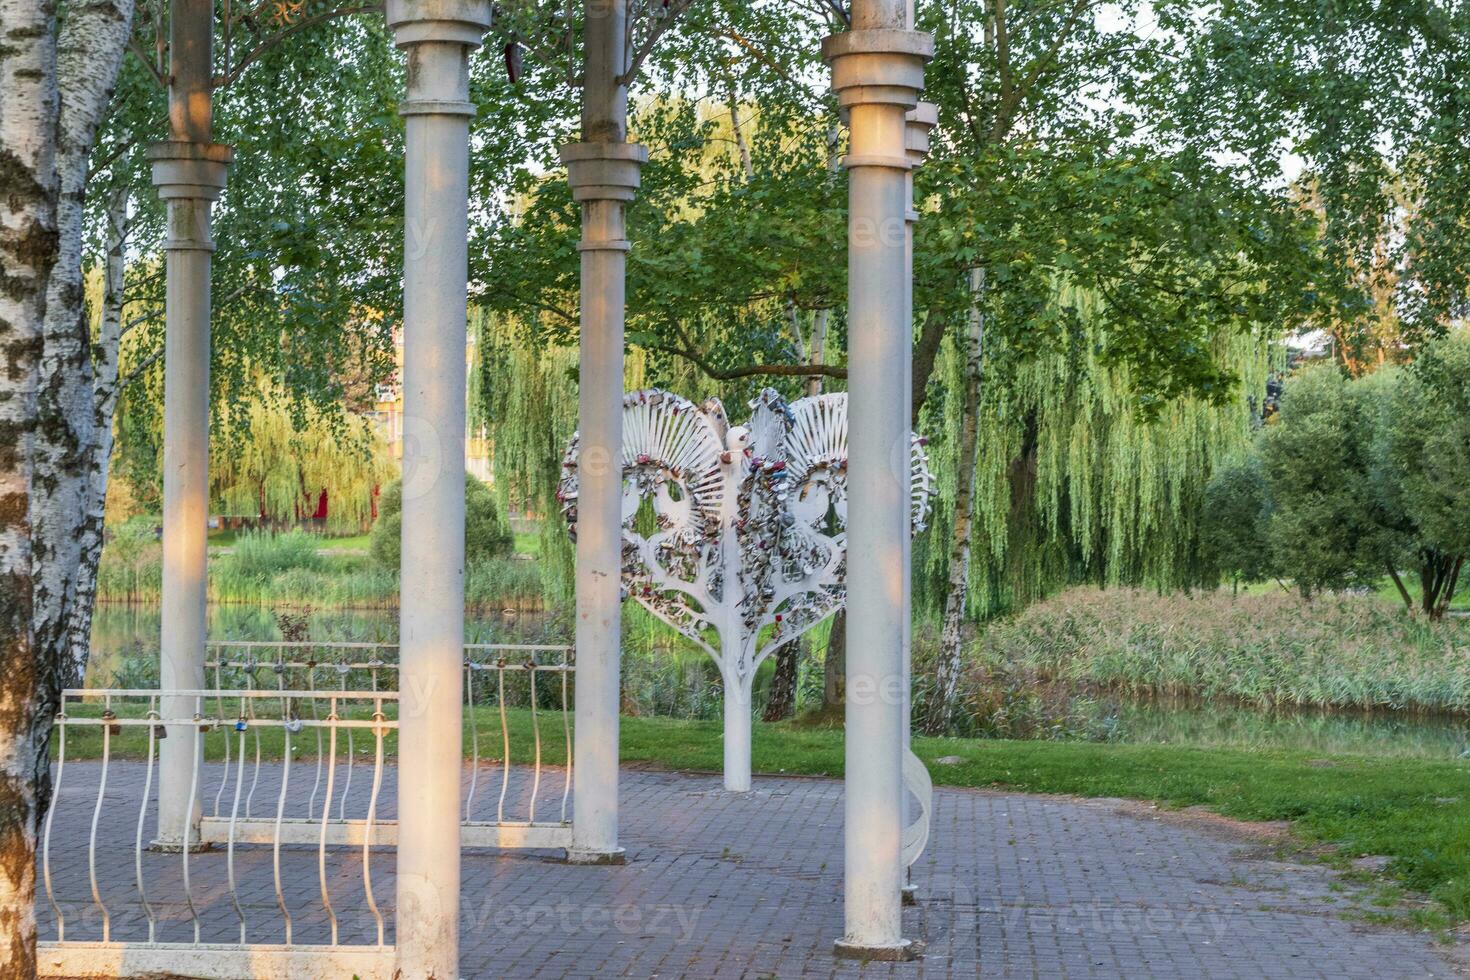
(180, 903)
(509, 687)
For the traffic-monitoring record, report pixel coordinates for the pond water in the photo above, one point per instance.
(665, 678)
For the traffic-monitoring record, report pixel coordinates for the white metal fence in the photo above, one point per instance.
(293, 791)
(513, 806)
(118, 907)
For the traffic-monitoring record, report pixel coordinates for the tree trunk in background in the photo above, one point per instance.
(940, 709)
(1439, 575)
(834, 666)
(106, 353)
(28, 250)
(1447, 594)
(781, 704)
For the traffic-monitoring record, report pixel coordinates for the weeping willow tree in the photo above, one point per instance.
(266, 459)
(1073, 481)
(525, 395)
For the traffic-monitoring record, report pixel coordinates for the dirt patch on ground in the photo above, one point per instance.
(1202, 819)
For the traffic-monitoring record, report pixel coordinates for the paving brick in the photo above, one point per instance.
(719, 885)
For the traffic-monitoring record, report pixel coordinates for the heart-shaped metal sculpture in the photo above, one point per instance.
(736, 536)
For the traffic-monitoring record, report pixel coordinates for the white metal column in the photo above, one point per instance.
(877, 72)
(603, 172)
(438, 36)
(189, 171)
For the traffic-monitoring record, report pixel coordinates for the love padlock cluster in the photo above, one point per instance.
(740, 529)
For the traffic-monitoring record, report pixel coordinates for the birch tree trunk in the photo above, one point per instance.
(106, 391)
(746, 163)
(940, 709)
(46, 410)
(28, 253)
(90, 49)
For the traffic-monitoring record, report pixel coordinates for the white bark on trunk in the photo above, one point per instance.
(746, 163)
(951, 659)
(106, 354)
(45, 397)
(90, 47)
(28, 246)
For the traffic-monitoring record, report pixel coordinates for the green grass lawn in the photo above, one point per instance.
(1415, 812)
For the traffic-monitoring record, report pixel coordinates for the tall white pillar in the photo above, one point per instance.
(919, 122)
(189, 171)
(438, 36)
(877, 72)
(603, 171)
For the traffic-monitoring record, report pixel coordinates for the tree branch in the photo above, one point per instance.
(233, 75)
(147, 62)
(1403, 590)
(749, 370)
(1011, 101)
(925, 353)
(758, 54)
(675, 9)
(140, 370)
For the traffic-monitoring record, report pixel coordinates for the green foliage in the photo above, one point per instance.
(1429, 444)
(1235, 537)
(486, 535)
(528, 397)
(1333, 524)
(131, 566)
(306, 282)
(266, 461)
(1368, 476)
(1367, 97)
(1075, 482)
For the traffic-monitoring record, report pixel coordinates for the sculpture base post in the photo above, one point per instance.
(737, 737)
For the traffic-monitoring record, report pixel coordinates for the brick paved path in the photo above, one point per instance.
(719, 885)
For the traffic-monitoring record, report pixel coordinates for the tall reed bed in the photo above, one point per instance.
(1268, 650)
(285, 570)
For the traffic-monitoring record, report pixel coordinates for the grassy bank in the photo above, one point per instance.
(1415, 812)
(295, 570)
(1266, 650)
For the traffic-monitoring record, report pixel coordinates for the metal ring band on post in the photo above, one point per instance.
(878, 66)
(435, 107)
(604, 171)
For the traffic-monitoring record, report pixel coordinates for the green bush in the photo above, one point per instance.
(1235, 528)
(486, 535)
(260, 556)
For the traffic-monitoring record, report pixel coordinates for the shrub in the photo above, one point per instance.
(486, 535)
(260, 556)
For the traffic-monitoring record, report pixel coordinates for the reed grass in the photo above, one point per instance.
(288, 571)
(1265, 650)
